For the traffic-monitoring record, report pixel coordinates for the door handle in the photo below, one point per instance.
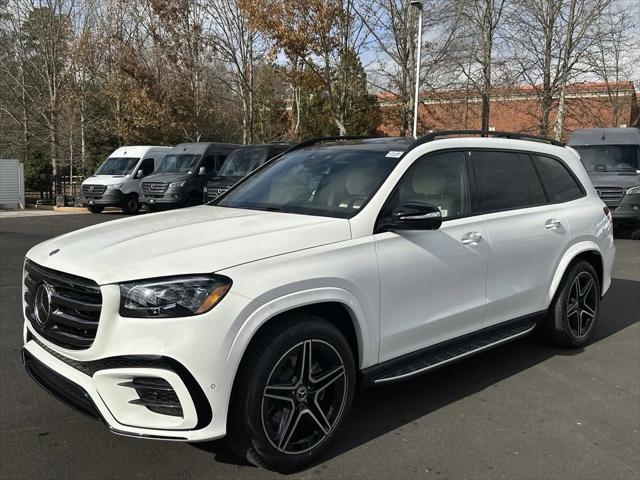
(471, 238)
(552, 224)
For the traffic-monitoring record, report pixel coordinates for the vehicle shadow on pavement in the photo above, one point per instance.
(380, 410)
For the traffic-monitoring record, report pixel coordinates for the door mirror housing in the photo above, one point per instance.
(140, 174)
(415, 216)
(202, 171)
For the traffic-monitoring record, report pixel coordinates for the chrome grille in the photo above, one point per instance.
(610, 195)
(216, 191)
(68, 311)
(93, 189)
(154, 187)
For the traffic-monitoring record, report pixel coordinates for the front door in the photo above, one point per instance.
(432, 282)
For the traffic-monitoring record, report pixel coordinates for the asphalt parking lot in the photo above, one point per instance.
(522, 410)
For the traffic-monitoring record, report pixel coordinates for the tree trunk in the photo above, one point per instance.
(564, 73)
(487, 47)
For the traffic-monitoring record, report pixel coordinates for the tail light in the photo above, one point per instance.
(607, 213)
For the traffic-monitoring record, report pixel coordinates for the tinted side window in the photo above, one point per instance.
(439, 180)
(559, 184)
(536, 192)
(210, 164)
(147, 166)
(501, 181)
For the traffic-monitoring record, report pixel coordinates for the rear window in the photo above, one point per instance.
(559, 184)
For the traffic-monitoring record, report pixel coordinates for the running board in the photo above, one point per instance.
(441, 354)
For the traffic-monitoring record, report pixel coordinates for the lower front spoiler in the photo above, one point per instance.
(59, 387)
(77, 388)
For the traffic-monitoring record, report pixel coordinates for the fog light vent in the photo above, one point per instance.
(156, 394)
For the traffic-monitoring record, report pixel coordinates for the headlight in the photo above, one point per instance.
(176, 185)
(115, 186)
(173, 296)
(633, 190)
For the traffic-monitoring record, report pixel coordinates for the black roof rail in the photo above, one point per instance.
(316, 140)
(429, 137)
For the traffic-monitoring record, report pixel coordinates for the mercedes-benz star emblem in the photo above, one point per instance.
(43, 304)
(91, 188)
(152, 186)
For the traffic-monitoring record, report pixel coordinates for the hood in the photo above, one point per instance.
(615, 179)
(167, 177)
(201, 239)
(105, 179)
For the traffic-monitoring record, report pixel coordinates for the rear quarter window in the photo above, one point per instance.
(559, 184)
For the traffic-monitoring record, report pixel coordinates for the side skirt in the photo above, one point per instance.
(435, 356)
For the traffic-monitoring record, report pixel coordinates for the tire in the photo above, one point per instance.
(131, 205)
(192, 200)
(279, 432)
(574, 311)
(95, 208)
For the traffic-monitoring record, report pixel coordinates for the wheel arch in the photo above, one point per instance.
(588, 251)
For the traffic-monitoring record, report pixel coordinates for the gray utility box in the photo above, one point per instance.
(11, 184)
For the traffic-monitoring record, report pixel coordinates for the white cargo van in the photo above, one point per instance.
(117, 182)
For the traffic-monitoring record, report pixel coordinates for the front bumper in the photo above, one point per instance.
(97, 389)
(188, 353)
(109, 198)
(169, 198)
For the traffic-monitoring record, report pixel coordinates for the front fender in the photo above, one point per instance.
(265, 312)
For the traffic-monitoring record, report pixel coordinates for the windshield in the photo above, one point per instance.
(330, 182)
(117, 166)
(243, 161)
(610, 158)
(178, 163)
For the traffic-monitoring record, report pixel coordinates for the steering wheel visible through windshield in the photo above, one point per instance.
(326, 181)
(178, 163)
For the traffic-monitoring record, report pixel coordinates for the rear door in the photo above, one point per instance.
(526, 233)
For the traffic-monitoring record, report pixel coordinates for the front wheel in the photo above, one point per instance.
(131, 205)
(95, 208)
(292, 393)
(574, 310)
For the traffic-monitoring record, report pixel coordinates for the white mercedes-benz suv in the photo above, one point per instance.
(342, 263)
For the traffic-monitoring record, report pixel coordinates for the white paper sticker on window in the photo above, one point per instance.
(394, 154)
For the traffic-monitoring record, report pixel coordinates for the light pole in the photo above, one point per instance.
(417, 4)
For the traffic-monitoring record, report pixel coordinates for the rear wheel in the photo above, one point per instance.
(574, 311)
(131, 205)
(293, 390)
(95, 208)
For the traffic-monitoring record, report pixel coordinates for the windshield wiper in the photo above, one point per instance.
(257, 206)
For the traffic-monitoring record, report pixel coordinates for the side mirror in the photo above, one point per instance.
(139, 174)
(202, 171)
(416, 216)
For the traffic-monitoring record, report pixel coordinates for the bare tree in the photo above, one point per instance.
(482, 19)
(614, 56)
(392, 28)
(236, 42)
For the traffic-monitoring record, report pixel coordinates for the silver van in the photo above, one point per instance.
(117, 182)
(611, 157)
